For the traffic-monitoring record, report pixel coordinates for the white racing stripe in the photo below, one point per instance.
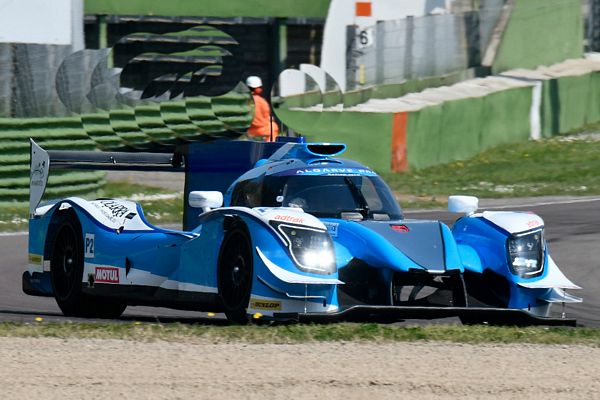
(291, 277)
(188, 287)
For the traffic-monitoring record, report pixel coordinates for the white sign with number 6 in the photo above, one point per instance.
(365, 38)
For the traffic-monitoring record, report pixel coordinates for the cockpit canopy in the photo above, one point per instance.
(352, 196)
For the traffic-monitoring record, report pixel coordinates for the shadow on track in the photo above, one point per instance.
(30, 316)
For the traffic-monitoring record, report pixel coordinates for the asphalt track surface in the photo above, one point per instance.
(572, 233)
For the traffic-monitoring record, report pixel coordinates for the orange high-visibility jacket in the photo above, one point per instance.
(261, 123)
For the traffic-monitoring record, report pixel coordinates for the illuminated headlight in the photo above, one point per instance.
(311, 249)
(526, 254)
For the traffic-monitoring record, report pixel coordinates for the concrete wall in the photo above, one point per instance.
(41, 22)
(428, 46)
(570, 93)
(445, 124)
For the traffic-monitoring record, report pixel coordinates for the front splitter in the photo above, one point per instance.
(391, 314)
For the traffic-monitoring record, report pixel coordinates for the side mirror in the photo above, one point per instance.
(205, 200)
(463, 204)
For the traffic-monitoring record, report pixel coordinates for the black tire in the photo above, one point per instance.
(235, 274)
(66, 266)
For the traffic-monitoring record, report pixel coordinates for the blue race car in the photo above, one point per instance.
(287, 231)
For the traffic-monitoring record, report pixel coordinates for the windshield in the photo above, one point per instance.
(348, 197)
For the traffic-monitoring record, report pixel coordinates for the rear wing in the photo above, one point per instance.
(42, 161)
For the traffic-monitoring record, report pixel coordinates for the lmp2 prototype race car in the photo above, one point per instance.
(287, 231)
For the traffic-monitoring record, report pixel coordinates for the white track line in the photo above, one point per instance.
(545, 203)
(550, 203)
(22, 233)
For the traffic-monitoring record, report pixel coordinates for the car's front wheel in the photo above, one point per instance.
(235, 274)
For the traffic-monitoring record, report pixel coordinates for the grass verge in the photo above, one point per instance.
(279, 334)
(559, 166)
(160, 206)
(13, 217)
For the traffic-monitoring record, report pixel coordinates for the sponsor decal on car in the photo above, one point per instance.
(271, 305)
(533, 223)
(117, 210)
(106, 275)
(38, 173)
(329, 172)
(35, 258)
(334, 171)
(90, 240)
(112, 210)
(289, 218)
(332, 228)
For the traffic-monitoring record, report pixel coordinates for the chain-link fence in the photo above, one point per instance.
(414, 47)
(27, 76)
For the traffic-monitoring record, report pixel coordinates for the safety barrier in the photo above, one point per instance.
(144, 127)
(444, 124)
(51, 133)
(570, 93)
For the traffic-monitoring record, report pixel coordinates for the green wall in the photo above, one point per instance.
(541, 32)
(506, 117)
(453, 130)
(52, 134)
(570, 102)
(367, 135)
(459, 129)
(142, 127)
(423, 136)
(211, 8)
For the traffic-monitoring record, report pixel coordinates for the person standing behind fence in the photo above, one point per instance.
(263, 125)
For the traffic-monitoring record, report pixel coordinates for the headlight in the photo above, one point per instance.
(526, 254)
(311, 249)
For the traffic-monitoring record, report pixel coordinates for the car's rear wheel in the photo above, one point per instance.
(235, 274)
(66, 266)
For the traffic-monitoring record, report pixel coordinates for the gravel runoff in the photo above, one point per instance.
(48, 368)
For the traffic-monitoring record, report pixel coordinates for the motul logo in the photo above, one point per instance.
(107, 275)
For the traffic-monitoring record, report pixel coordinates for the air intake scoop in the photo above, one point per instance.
(307, 151)
(325, 149)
